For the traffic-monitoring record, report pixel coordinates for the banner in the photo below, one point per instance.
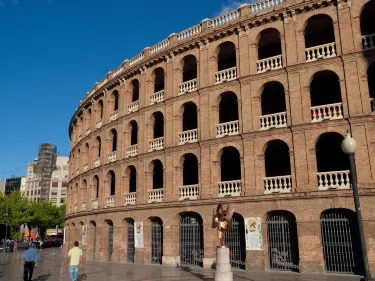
(253, 233)
(138, 235)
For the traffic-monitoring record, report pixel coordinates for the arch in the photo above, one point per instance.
(87, 153)
(226, 55)
(130, 242)
(371, 82)
(84, 184)
(133, 132)
(113, 133)
(157, 174)
(189, 116)
(101, 109)
(273, 98)
(115, 99)
(156, 240)
(235, 240)
(158, 75)
(96, 187)
(283, 252)
(230, 163)
(269, 44)
(110, 238)
(135, 90)
(190, 169)
(228, 107)
(93, 237)
(329, 155)
(367, 18)
(131, 172)
(319, 31)
(111, 177)
(158, 119)
(325, 88)
(277, 159)
(99, 146)
(88, 118)
(189, 68)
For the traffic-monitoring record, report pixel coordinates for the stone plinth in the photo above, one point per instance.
(223, 267)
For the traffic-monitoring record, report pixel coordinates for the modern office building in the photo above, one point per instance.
(14, 183)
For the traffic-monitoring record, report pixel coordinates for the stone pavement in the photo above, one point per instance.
(52, 267)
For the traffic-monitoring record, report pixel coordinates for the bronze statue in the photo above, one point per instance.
(222, 220)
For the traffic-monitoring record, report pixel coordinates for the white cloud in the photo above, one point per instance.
(230, 6)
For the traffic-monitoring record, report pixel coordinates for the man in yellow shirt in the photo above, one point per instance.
(74, 261)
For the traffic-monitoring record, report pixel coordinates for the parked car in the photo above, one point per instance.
(53, 241)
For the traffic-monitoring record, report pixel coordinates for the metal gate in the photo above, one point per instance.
(131, 249)
(191, 240)
(157, 241)
(235, 239)
(110, 240)
(283, 241)
(94, 245)
(341, 248)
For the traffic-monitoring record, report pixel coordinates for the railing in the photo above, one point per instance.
(155, 195)
(276, 120)
(226, 75)
(77, 172)
(281, 184)
(262, 5)
(117, 71)
(114, 115)
(85, 167)
(188, 136)
(112, 157)
(159, 46)
(372, 100)
(368, 41)
(188, 86)
(271, 63)
(95, 204)
(110, 201)
(97, 162)
(99, 124)
(229, 188)
(320, 52)
(83, 207)
(326, 112)
(333, 180)
(103, 83)
(133, 107)
(189, 192)
(132, 150)
(88, 131)
(157, 97)
(136, 59)
(227, 129)
(223, 19)
(189, 32)
(130, 198)
(156, 144)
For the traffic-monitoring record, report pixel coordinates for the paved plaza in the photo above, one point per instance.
(52, 267)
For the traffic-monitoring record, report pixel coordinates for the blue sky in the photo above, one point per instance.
(53, 51)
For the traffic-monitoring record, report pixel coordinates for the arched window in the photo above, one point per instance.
(189, 70)
(87, 153)
(101, 109)
(189, 117)
(230, 164)
(112, 182)
(88, 119)
(157, 175)
(228, 107)
(114, 140)
(96, 187)
(134, 133)
(368, 24)
(158, 125)
(115, 99)
(99, 145)
(371, 84)
(190, 170)
(269, 44)
(130, 241)
(135, 90)
(110, 239)
(227, 56)
(159, 79)
(132, 179)
(156, 240)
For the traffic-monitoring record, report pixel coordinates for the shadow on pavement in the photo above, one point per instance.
(196, 274)
(42, 277)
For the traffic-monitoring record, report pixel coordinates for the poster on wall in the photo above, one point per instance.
(253, 233)
(138, 235)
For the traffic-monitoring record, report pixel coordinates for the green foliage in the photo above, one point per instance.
(16, 235)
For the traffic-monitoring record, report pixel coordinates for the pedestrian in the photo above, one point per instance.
(74, 261)
(31, 262)
(15, 246)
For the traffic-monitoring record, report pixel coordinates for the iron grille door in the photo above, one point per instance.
(341, 249)
(157, 242)
(110, 241)
(283, 242)
(235, 239)
(191, 240)
(94, 245)
(131, 249)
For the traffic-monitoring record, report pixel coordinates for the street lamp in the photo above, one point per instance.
(349, 146)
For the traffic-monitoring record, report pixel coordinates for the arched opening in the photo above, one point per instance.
(158, 125)
(134, 132)
(99, 146)
(159, 79)
(190, 170)
(371, 84)
(340, 241)
(319, 31)
(273, 106)
(227, 56)
(101, 109)
(132, 179)
(228, 115)
(283, 252)
(191, 239)
(368, 25)
(88, 119)
(230, 163)
(131, 246)
(92, 227)
(87, 155)
(156, 240)
(112, 182)
(96, 187)
(189, 70)
(81, 126)
(235, 240)
(135, 90)
(269, 44)
(157, 175)
(110, 239)
(115, 100)
(189, 117)
(114, 139)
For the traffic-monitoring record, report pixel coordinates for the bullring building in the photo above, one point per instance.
(247, 109)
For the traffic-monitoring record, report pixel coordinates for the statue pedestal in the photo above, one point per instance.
(223, 267)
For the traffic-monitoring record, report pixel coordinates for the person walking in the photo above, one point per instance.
(75, 261)
(15, 246)
(31, 262)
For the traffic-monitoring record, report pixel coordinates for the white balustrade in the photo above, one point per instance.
(136, 59)
(276, 120)
(270, 63)
(112, 157)
(227, 129)
(326, 112)
(156, 144)
(130, 198)
(117, 71)
(77, 172)
(281, 184)
(333, 180)
(114, 115)
(189, 192)
(157, 97)
(95, 204)
(265, 4)
(320, 52)
(133, 107)
(83, 206)
(85, 167)
(189, 32)
(368, 41)
(97, 162)
(188, 86)
(225, 18)
(110, 201)
(226, 75)
(372, 100)
(159, 46)
(155, 195)
(99, 124)
(88, 131)
(229, 188)
(132, 150)
(189, 136)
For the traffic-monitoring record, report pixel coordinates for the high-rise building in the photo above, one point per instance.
(59, 181)
(2, 187)
(32, 182)
(13, 183)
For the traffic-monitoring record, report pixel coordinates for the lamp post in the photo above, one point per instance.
(349, 146)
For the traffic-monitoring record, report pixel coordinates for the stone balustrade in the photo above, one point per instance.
(159, 46)
(156, 144)
(157, 97)
(83, 206)
(114, 115)
(275, 120)
(112, 156)
(77, 172)
(99, 124)
(86, 167)
(281, 184)
(225, 18)
(265, 4)
(372, 101)
(117, 71)
(130, 198)
(189, 192)
(188, 86)
(187, 33)
(321, 52)
(270, 63)
(226, 75)
(368, 41)
(227, 129)
(333, 180)
(110, 201)
(88, 131)
(97, 162)
(132, 150)
(229, 188)
(95, 204)
(326, 112)
(133, 107)
(189, 136)
(155, 195)
(136, 59)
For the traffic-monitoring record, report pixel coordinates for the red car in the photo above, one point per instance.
(53, 240)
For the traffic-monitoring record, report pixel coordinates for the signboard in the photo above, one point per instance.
(253, 233)
(138, 235)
